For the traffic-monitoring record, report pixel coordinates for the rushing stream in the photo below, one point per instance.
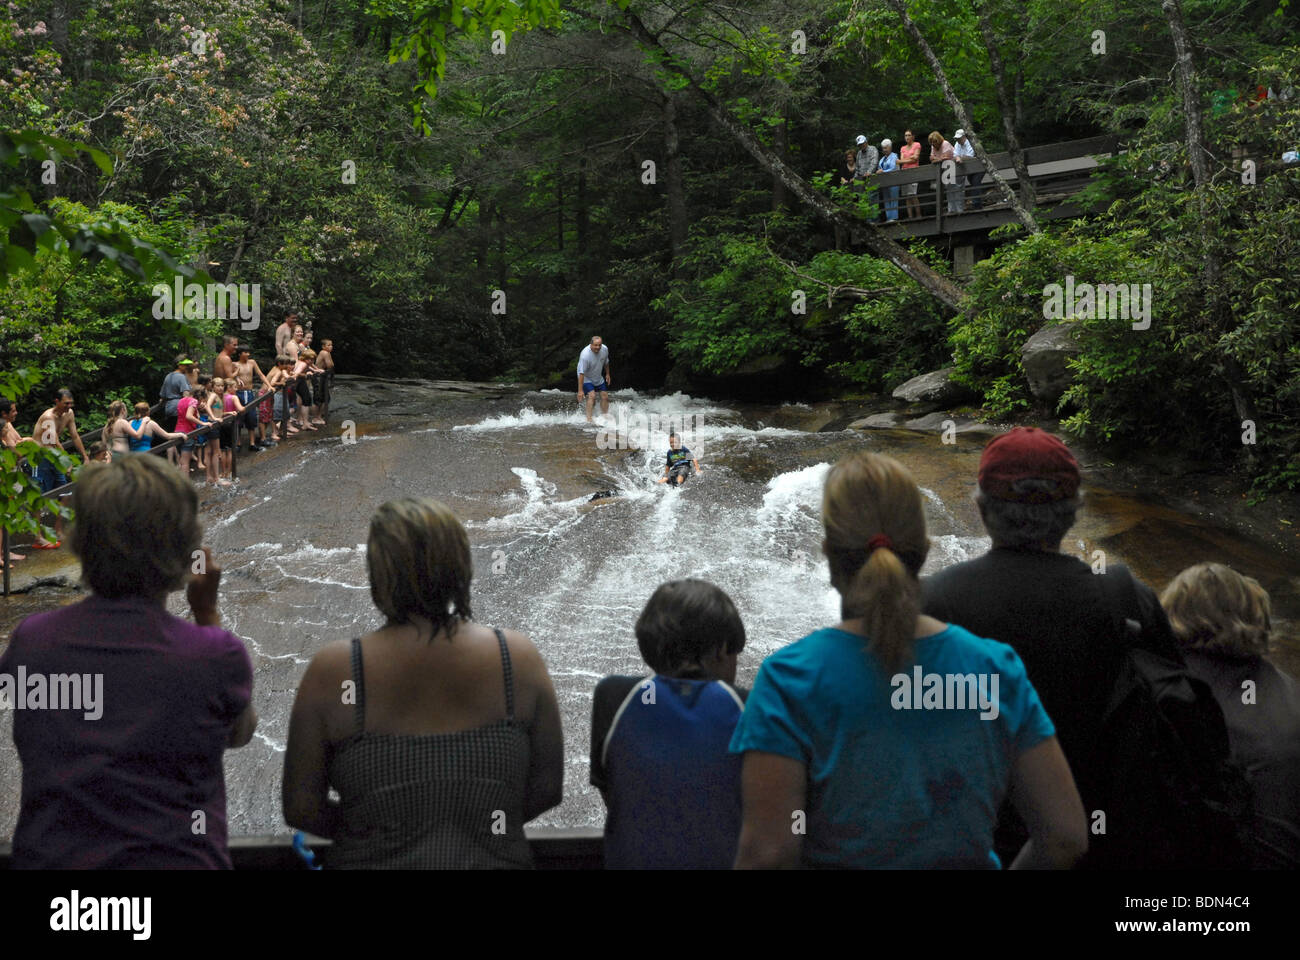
(519, 469)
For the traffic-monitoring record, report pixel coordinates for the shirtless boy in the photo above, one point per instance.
(246, 369)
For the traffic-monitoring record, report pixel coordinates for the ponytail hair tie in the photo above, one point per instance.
(879, 540)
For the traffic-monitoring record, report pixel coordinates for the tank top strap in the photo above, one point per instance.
(359, 678)
(509, 673)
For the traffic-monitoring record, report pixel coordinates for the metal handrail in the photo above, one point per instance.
(158, 449)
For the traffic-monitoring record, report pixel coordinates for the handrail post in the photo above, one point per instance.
(938, 197)
(4, 551)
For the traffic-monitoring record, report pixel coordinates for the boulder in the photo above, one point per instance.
(878, 421)
(1044, 357)
(937, 386)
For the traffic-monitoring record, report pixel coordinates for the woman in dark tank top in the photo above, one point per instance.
(442, 737)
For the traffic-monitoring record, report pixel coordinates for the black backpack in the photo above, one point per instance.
(1171, 797)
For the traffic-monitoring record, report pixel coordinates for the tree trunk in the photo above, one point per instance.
(675, 186)
(1198, 155)
(780, 135)
(59, 16)
(963, 118)
(1028, 198)
(934, 283)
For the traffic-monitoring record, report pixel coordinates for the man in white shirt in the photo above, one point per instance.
(961, 149)
(594, 376)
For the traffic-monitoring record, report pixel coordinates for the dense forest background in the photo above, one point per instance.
(281, 142)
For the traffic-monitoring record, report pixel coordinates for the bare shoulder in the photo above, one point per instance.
(524, 655)
(331, 665)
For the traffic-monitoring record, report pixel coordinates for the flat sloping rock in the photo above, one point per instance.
(930, 423)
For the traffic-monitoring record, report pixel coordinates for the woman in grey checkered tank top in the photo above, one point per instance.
(441, 737)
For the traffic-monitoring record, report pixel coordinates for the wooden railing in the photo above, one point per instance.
(1057, 170)
(554, 848)
(160, 448)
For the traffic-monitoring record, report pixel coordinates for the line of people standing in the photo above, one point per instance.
(193, 399)
(865, 161)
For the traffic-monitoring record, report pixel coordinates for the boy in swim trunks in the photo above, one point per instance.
(679, 463)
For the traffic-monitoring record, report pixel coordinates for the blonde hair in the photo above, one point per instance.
(142, 410)
(136, 527)
(868, 494)
(1213, 608)
(419, 563)
(116, 411)
(936, 138)
(308, 354)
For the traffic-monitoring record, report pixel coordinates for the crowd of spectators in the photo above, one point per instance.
(296, 391)
(864, 162)
(447, 737)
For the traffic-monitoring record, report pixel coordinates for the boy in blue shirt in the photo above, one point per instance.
(679, 463)
(659, 744)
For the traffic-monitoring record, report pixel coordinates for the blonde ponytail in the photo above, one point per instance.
(875, 544)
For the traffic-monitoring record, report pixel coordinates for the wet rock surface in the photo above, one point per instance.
(519, 466)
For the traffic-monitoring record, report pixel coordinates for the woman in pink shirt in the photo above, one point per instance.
(909, 156)
(187, 418)
(941, 150)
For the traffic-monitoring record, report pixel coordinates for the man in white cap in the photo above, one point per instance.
(962, 147)
(867, 160)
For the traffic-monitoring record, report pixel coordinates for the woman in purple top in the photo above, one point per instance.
(121, 711)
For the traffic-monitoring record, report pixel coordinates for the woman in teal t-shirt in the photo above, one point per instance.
(891, 739)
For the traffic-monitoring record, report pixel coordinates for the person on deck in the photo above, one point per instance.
(594, 376)
(940, 151)
(888, 164)
(909, 157)
(963, 150)
(867, 161)
(850, 169)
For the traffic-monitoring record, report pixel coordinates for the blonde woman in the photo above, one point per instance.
(1221, 619)
(837, 728)
(448, 740)
(118, 433)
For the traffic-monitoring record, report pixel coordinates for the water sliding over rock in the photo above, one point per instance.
(519, 468)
